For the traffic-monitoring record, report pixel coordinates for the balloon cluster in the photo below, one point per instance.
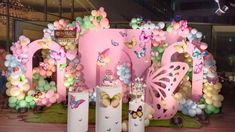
(20, 49)
(180, 27)
(139, 23)
(188, 107)
(46, 68)
(194, 34)
(124, 73)
(159, 37)
(27, 102)
(73, 76)
(185, 89)
(99, 18)
(212, 96)
(43, 85)
(48, 98)
(157, 52)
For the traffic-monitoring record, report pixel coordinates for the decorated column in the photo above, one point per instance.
(108, 109)
(78, 112)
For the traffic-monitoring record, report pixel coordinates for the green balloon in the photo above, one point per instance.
(52, 83)
(207, 111)
(160, 49)
(46, 87)
(12, 105)
(12, 100)
(32, 103)
(28, 99)
(66, 84)
(41, 82)
(210, 108)
(134, 26)
(216, 110)
(133, 20)
(31, 93)
(36, 76)
(169, 29)
(22, 103)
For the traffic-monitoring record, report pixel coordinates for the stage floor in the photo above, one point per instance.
(224, 122)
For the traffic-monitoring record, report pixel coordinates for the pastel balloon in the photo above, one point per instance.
(20, 96)
(12, 100)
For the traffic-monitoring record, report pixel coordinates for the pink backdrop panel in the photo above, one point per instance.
(33, 48)
(197, 78)
(111, 42)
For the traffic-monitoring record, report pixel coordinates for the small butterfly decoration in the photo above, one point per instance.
(137, 114)
(75, 103)
(123, 34)
(58, 55)
(199, 54)
(102, 60)
(43, 44)
(141, 53)
(106, 100)
(130, 44)
(62, 66)
(181, 48)
(114, 43)
(145, 38)
(198, 68)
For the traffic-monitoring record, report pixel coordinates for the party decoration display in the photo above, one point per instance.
(109, 101)
(78, 108)
(182, 74)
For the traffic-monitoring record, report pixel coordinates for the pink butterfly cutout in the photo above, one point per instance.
(75, 103)
(145, 38)
(58, 55)
(198, 68)
(161, 84)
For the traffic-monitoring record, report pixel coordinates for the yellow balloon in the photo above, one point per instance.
(20, 96)
(14, 92)
(208, 101)
(209, 94)
(217, 104)
(8, 92)
(215, 97)
(221, 97)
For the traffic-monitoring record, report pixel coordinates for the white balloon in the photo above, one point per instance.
(194, 31)
(161, 25)
(199, 35)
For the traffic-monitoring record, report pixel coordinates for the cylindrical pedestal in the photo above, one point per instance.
(78, 106)
(136, 116)
(108, 109)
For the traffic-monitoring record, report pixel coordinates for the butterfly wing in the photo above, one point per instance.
(116, 100)
(140, 54)
(161, 84)
(105, 99)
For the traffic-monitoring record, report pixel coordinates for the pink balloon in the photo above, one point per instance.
(44, 101)
(61, 21)
(203, 46)
(52, 99)
(49, 93)
(56, 23)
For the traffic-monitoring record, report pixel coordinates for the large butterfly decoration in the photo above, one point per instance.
(141, 53)
(138, 113)
(144, 37)
(103, 58)
(181, 48)
(199, 54)
(198, 68)
(161, 84)
(106, 100)
(43, 44)
(130, 44)
(75, 103)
